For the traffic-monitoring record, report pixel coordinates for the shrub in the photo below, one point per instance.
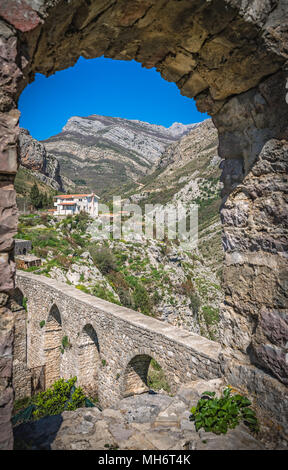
(103, 258)
(156, 298)
(187, 288)
(195, 303)
(220, 414)
(81, 221)
(121, 286)
(141, 299)
(62, 260)
(104, 294)
(24, 303)
(211, 315)
(61, 396)
(39, 200)
(83, 288)
(77, 239)
(66, 343)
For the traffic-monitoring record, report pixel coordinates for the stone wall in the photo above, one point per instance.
(108, 347)
(231, 55)
(22, 247)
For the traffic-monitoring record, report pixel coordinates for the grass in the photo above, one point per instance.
(156, 379)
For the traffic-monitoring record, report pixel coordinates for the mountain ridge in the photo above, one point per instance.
(110, 150)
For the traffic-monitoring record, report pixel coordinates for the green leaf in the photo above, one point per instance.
(210, 394)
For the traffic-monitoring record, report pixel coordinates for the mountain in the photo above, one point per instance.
(188, 172)
(100, 152)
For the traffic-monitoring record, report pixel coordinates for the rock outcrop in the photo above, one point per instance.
(144, 422)
(34, 157)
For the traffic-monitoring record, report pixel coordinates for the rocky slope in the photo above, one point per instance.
(99, 152)
(189, 172)
(154, 277)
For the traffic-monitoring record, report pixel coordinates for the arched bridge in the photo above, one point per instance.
(108, 347)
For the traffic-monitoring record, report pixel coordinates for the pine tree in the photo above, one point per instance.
(35, 197)
(44, 200)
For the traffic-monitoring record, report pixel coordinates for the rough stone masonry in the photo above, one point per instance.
(231, 56)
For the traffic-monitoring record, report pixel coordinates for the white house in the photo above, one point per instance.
(70, 204)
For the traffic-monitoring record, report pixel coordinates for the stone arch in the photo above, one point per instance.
(52, 346)
(18, 298)
(135, 376)
(230, 56)
(88, 360)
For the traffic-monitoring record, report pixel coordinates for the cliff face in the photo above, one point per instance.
(100, 152)
(44, 166)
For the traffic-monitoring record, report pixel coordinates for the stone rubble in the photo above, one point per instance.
(143, 422)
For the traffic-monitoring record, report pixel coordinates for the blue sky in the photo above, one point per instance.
(107, 87)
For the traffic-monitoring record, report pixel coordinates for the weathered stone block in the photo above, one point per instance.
(274, 326)
(19, 14)
(8, 160)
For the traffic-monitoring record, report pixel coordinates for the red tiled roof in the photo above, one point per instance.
(68, 203)
(69, 196)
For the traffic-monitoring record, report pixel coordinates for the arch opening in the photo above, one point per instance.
(88, 358)
(66, 148)
(52, 346)
(18, 298)
(143, 373)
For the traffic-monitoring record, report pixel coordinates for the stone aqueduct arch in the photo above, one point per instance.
(231, 56)
(135, 374)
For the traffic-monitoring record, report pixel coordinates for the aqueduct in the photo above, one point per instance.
(108, 347)
(231, 56)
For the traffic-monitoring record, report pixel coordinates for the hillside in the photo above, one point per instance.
(188, 172)
(99, 152)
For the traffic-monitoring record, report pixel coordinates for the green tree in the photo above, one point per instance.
(35, 197)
